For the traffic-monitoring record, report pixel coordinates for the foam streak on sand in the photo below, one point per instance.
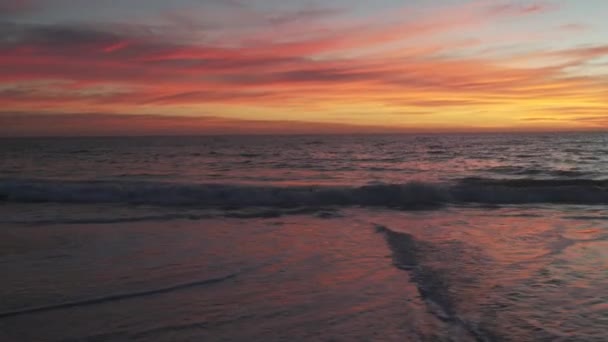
(432, 286)
(116, 297)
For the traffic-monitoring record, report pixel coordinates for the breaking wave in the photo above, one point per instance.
(407, 196)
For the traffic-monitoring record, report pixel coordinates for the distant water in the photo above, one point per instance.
(294, 171)
(481, 237)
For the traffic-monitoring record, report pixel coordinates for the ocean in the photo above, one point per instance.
(445, 237)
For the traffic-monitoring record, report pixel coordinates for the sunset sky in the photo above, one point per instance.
(90, 67)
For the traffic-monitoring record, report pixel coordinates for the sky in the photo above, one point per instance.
(116, 67)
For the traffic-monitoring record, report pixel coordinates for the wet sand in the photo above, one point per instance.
(356, 275)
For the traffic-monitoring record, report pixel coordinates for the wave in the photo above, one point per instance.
(246, 213)
(526, 171)
(109, 220)
(412, 195)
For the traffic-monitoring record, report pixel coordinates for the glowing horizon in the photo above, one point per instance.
(154, 67)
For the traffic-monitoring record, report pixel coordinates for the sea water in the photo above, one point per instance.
(463, 237)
